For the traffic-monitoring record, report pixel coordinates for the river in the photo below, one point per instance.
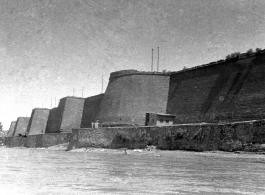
(105, 171)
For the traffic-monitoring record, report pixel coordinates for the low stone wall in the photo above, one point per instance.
(195, 137)
(38, 141)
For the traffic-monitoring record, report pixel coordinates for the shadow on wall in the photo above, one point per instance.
(228, 91)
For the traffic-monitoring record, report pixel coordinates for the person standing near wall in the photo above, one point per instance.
(96, 124)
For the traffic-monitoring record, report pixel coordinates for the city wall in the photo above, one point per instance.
(130, 94)
(195, 137)
(21, 126)
(11, 129)
(66, 116)
(227, 91)
(38, 121)
(90, 111)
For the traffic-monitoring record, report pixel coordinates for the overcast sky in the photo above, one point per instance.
(49, 47)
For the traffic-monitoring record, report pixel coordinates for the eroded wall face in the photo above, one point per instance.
(90, 111)
(21, 126)
(11, 129)
(72, 114)
(128, 98)
(225, 92)
(38, 121)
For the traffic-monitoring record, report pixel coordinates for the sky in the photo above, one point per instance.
(50, 49)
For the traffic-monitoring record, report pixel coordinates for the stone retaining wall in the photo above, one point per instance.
(38, 141)
(195, 137)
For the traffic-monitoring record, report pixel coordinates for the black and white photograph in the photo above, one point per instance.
(132, 97)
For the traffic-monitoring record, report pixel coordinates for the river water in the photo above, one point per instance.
(105, 171)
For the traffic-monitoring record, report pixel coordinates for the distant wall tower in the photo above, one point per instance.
(66, 116)
(21, 126)
(38, 121)
(11, 129)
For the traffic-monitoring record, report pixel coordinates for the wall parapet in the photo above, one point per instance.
(123, 73)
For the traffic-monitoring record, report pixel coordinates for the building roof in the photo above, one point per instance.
(163, 114)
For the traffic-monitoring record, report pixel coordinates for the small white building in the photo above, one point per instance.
(159, 119)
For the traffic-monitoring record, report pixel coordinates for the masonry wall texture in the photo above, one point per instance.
(195, 137)
(21, 126)
(53, 123)
(66, 116)
(131, 94)
(38, 141)
(11, 130)
(228, 91)
(38, 121)
(90, 111)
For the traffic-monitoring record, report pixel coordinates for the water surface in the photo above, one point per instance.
(105, 171)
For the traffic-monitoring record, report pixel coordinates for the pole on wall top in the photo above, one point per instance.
(157, 59)
(102, 85)
(152, 63)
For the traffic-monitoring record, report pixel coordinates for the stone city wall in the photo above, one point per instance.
(226, 91)
(38, 121)
(131, 94)
(21, 126)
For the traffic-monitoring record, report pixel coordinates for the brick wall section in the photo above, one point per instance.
(38, 121)
(72, 113)
(21, 126)
(90, 111)
(53, 123)
(11, 129)
(38, 141)
(130, 96)
(229, 91)
(196, 137)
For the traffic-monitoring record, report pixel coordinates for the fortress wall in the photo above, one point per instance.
(66, 116)
(11, 129)
(195, 137)
(130, 96)
(38, 121)
(38, 141)
(71, 116)
(21, 126)
(229, 91)
(91, 107)
(53, 123)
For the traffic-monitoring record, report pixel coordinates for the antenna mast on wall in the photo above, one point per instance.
(157, 59)
(152, 63)
(102, 85)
